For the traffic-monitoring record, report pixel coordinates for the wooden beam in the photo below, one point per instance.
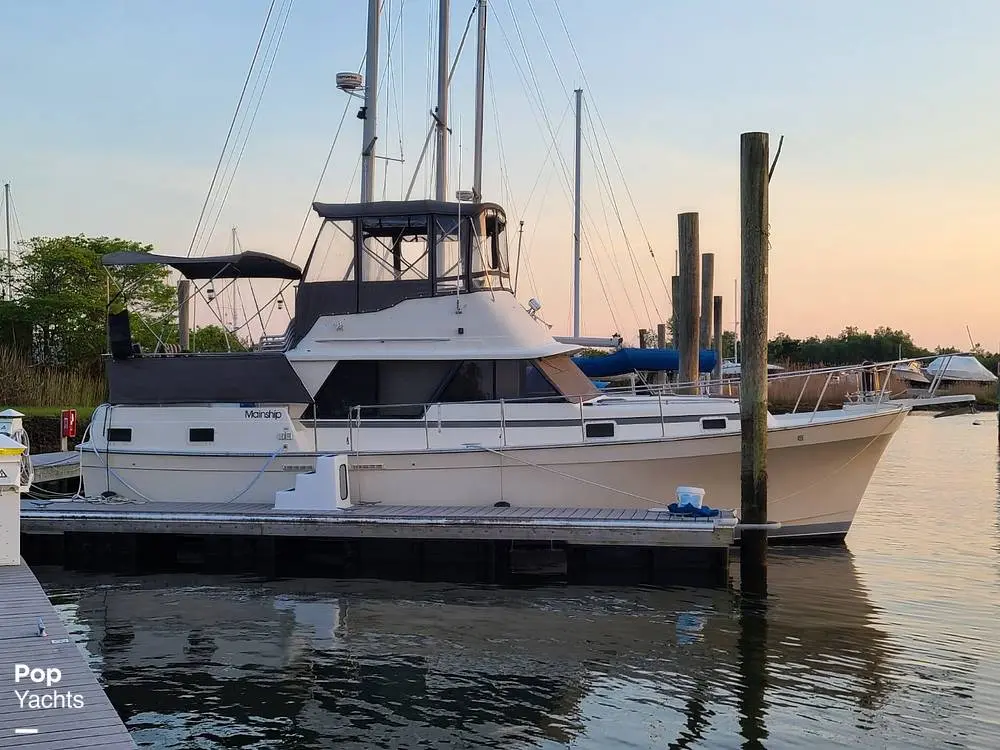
(687, 313)
(753, 364)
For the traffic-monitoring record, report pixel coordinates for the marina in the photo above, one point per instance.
(349, 482)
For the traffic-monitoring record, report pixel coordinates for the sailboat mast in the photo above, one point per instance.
(6, 205)
(576, 219)
(477, 173)
(441, 186)
(371, 105)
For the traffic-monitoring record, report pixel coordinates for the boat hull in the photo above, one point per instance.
(817, 474)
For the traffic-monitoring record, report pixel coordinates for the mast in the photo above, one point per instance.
(477, 173)
(6, 204)
(371, 105)
(576, 219)
(441, 187)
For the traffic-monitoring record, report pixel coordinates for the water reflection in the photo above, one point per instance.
(226, 662)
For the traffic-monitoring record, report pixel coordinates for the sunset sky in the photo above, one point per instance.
(883, 204)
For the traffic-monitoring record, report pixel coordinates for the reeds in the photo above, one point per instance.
(25, 384)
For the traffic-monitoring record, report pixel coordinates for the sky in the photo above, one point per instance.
(883, 205)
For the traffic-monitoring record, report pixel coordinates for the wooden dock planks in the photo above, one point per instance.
(571, 525)
(95, 724)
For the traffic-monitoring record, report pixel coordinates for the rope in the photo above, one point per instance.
(830, 474)
(605, 487)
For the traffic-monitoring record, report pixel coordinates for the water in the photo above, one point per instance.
(892, 642)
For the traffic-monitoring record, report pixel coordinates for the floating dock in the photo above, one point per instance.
(64, 706)
(471, 543)
(54, 467)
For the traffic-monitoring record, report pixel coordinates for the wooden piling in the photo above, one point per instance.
(717, 339)
(687, 313)
(707, 291)
(675, 294)
(661, 335)
(642, 338)
(184, 314)
(753, 364)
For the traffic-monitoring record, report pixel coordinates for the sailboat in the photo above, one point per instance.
(410, 358)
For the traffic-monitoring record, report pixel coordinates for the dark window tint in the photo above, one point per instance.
(714, 423)
(201, 434)
(472, 381)
(120, 435)
(600, 429)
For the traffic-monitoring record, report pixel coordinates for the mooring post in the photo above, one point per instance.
(687, 314)
(184, 314)
(661, 335)
(675, 296)
(753, 365)
(642, 338)
(707, 292)
(717, 339)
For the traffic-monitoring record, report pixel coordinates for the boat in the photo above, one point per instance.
(410, 356)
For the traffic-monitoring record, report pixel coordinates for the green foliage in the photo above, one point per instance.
(62, 292)
(210, 338)
(850, 347)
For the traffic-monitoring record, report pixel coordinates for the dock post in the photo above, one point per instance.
(753, 370)
(717, 339)
(687, 314)
(661, 335)
(675, 296)
(707, 292)
(10, 501)
(184, 314)
(642, 338)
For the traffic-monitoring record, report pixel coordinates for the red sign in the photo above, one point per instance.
(68, 423)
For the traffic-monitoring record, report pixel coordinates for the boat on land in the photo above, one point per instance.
(410, 356)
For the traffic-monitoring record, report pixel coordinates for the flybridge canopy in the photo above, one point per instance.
(245, 265)
(342, 211)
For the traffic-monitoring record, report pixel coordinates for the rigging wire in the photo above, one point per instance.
(614, 154)
(239, 105)
(628, 245)
(276, 38)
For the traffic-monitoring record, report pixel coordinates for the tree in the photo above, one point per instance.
(62, 292)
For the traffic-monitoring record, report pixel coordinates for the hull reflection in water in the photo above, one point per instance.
(216, 662)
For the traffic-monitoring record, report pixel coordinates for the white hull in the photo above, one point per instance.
(817, 473)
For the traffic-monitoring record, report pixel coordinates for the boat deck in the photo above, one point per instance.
(590, 526)
(95, 723)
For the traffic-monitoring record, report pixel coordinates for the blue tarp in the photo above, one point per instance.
(631, 360)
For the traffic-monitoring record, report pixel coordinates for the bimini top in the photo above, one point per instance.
(341, 211)
(245, 265)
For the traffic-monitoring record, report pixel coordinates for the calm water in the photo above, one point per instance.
(891, 642)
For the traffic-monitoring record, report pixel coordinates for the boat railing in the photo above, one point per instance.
(871, 386)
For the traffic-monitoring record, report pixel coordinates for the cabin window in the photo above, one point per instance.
(405, 386)
(472, 381)
(563, 373)
(119, 434)
(352, 383)
(398, 388)
(448, 272)
(394, 249)
(332, 257)
(713, 423)
(600, 429)
(488, 251)
(201, 435)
